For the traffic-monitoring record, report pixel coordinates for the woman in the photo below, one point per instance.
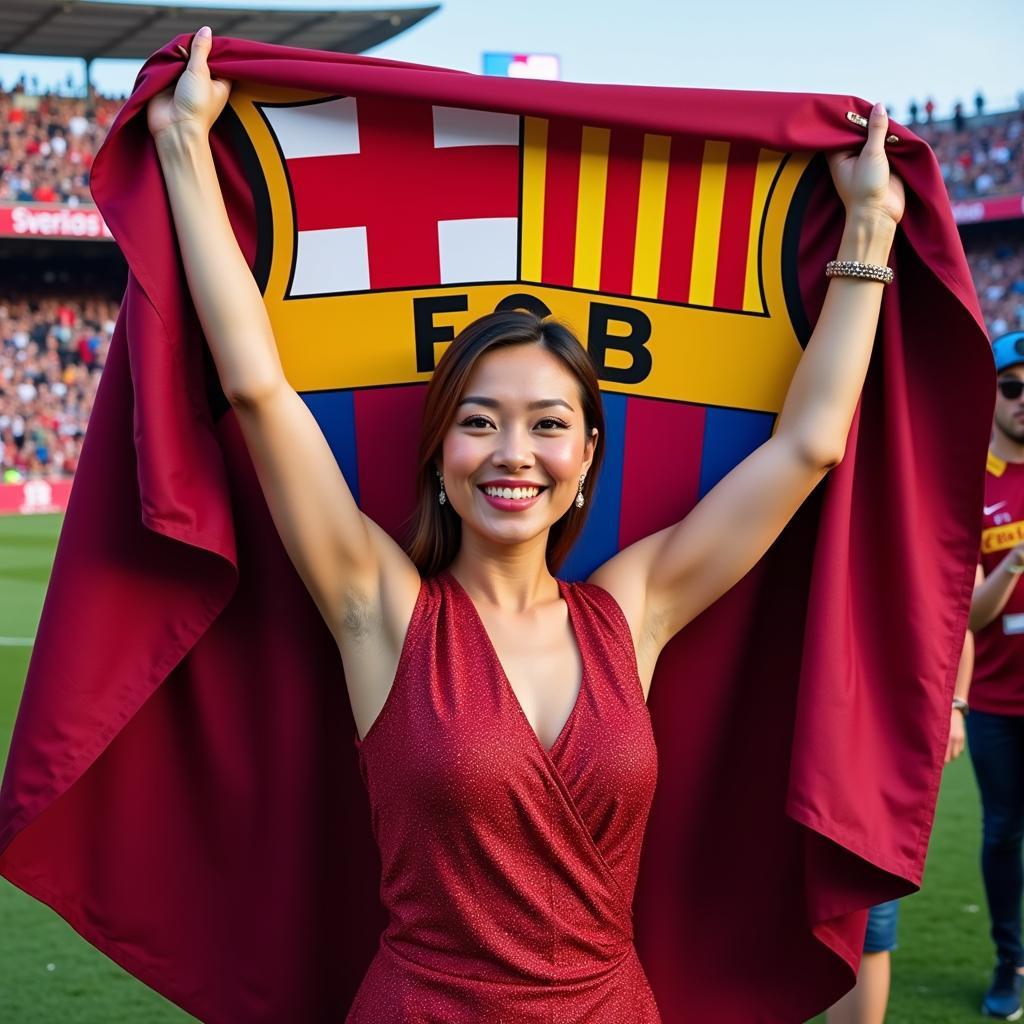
(503, 729)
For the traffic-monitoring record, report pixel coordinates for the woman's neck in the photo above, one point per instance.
(511, 577)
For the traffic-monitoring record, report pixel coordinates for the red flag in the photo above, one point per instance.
(182, 784)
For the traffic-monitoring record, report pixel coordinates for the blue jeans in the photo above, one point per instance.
(996, 744)
(881, 934)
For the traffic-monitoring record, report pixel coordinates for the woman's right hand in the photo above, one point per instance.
(197, 99)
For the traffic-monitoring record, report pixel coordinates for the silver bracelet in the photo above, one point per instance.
(854, 268)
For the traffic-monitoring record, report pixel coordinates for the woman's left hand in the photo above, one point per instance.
(864, 181)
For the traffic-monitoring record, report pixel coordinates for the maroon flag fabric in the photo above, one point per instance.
(182, 784)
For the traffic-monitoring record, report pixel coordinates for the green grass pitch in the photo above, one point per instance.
(48, 973)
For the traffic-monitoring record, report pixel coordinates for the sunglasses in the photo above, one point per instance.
(1011, 389)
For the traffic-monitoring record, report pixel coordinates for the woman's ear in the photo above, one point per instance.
(590, 449)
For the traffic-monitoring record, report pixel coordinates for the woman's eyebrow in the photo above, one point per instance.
(493, 403)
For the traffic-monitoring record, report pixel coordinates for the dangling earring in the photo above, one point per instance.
(441, 497)
(580, 500)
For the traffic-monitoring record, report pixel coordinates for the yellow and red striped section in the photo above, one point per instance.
(653, 216)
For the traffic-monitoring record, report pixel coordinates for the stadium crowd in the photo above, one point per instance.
(984, 157)
(53, 345)
(52, 352)
(998, 273)
(48, 143)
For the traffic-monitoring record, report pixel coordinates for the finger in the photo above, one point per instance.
(201, 43)
(836, 161)
(878, 125)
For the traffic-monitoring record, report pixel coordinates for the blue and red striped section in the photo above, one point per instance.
(660, 458)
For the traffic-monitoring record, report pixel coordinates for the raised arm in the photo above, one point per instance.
(665, 580)
(341, 555)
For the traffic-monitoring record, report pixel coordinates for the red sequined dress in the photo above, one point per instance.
(508, 870)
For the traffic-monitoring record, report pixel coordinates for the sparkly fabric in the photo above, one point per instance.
(508, 871)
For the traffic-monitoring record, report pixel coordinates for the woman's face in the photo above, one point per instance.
(518, 428)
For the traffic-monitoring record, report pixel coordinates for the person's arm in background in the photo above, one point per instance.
(954, 745)
(993, 591)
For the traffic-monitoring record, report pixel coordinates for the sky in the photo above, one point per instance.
(892, 51)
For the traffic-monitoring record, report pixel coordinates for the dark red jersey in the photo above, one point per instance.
(998, 683)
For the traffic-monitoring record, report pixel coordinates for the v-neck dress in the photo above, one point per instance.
(508, 870)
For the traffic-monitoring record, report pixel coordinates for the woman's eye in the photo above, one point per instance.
(482, 423)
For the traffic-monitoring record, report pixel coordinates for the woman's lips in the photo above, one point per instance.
(511, 504)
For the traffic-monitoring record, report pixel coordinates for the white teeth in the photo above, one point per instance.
(515, 493)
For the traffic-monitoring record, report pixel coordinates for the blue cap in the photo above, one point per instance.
(1008, 350)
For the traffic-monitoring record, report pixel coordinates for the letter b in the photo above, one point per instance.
(599, 340)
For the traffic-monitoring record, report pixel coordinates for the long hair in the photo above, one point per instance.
(436, 530)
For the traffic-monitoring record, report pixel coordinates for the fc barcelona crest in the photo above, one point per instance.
(386, 225)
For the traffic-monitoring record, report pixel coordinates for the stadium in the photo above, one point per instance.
(62, 283)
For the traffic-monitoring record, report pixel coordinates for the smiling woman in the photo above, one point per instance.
(504, 736)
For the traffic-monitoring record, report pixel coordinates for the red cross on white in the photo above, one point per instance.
(398, 194)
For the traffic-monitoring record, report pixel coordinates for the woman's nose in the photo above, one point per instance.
(513, 450)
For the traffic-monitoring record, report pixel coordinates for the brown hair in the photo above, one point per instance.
(436, 530)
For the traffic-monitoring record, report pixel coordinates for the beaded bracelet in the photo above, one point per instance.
(854, 268)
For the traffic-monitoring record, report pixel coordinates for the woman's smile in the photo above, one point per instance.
(511, 495)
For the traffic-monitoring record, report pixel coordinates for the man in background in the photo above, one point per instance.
(995, 726)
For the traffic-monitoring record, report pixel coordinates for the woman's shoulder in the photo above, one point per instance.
(600, 602)
(603, 618)
(435, 591)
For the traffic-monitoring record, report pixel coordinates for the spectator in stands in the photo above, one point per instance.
(958, 116)
(979, 103)
(913, 111)
(929, 110)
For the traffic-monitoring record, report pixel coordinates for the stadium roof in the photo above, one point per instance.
(89, 29)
